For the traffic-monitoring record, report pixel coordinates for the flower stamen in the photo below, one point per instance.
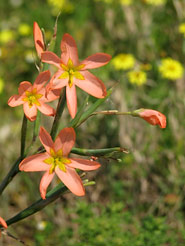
(70, 71)
(32, 97)
(57, 159)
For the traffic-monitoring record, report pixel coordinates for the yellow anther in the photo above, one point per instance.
(70, 71)
(32, 97)
(57, 159)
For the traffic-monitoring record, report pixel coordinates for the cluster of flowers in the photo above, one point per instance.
(169, 68)
(71, 73)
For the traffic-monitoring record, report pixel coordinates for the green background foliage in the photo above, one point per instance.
(139, 197)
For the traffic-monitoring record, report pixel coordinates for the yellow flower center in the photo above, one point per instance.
(70, 71)
(32, 97)
(171, 67)
(57, 159)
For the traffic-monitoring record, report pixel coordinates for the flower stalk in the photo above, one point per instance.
(60, 109)
(23, 135)
(39, 204)
(13, 171)
(97, 152)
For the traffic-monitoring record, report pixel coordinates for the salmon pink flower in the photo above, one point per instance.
(38, 39)
(71, 72)
(56, 160)
(3, 223)
(152, 116)
(32, 97)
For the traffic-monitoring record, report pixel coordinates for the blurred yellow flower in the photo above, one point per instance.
(171, 69)
(6, 36)
(182, 28)
(24, 29)
(60, 5)
(137, 77)
(126, 2)
(123, 61)
(1, 85)
(155, 2)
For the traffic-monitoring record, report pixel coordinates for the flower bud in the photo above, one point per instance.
(151, 116)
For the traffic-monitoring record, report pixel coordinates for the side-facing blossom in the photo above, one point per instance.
(32, 97)
(38, 39)
(56, 160)
(151, 116)
(71, 72)
(3, 223)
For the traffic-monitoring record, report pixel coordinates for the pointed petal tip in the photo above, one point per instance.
(3, 223)
(38, 39)
(43, 195)
(42, 129)
(82, 193)
(45, 139)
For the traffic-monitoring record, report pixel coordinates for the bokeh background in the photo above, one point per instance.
(139, 198)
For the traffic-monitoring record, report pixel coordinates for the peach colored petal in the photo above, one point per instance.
(71, 100)
(45, 182)
(41, 79)
(60, 83)
(38, 39)
(51, 58)
(46, 109)
(69, 49)
(31, 113)
(153, 117)
(91, 84)
(46, 139)
(71, 179)
(53, 94)
(3, 222)
(24, 86)
(65, 140)
(15, 100)
(85, 165)
(96, 60)
(34, 163)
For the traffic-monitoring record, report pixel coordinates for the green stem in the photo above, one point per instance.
(97, 152)
(36, 127)
(93, 107)
(60, 108)
(75, 121)
(39, 204)
(106, 112)
(111, 112)
(15, 168)
(13, 171)
(23, 135)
